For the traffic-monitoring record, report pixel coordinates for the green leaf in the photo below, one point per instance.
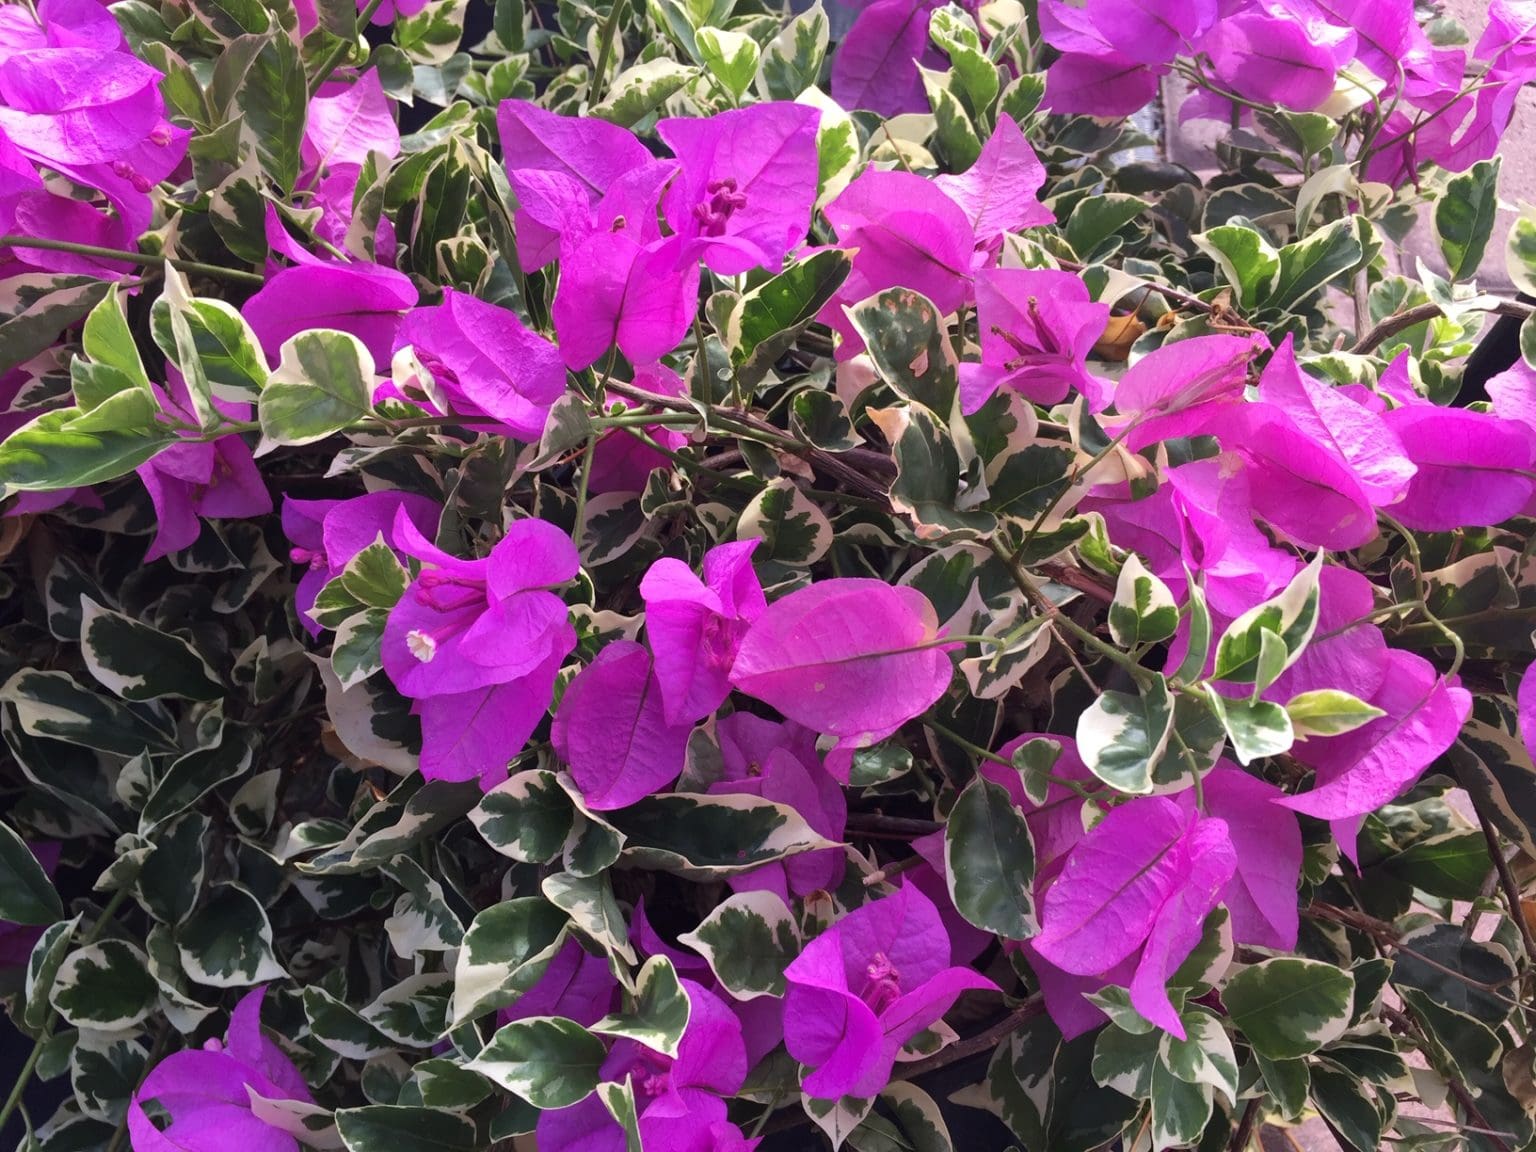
(1289, 1007)
(973, 74)
(1291, 616)
(505, 949)
(105, 986)
(660, 1010)
(731, 57)
(1328, 712)
(36, 307)
(909, 346)
(710, 837)
(1245, 258)
(137, 662)
(1520, 251)
(126, 411)
(749, 939)
(1033, 760)
(323, 382)
(792, 60)
(637, 92)
(273, 97)
(918, 1124)
(528, 817)
(990, 861)
(355, 652)
(1257, 728)
(1349, 1105)
(1143, 610)
(220, 340)
(1460, 974)
(1205, 1055)
(837, 146)
(958, 140)
(227, 943)
(1453, 865)
(192, 776)
(1121, 737)
(104, 1070)
(1288, 1082)
(445, 1084)
(1096, 219)
(43, 969)
(820, 418)
(792, 527)
(1124, 1060)
(549, 1061)
(47, 454)
(764, 322)
(619, 1099)
(26, 893)
(341, 1028)
(394, 1128)
(1192, 667)
(108, 340)
(1528, 340)
(55, 705)
(927, 485)
(1180, 1110)
(590, 903)
(1307, 265)
(171, 877)
(432, 35)
(1464, 217)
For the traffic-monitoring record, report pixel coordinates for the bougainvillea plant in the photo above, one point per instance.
(684, 576)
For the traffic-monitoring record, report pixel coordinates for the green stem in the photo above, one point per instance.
(581, 492)
(139, 258)
(584, 481)
(757, 1126)
(698, 468)
(977, 750)
(1057, 617)
(605, 49)
(339, 52)
(1369, 618)
(1104, 649)
(1077, 475)
(643, 419)
(13, 1101)
(1420, 586)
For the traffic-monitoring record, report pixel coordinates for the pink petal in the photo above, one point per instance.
(474, 735)
(1262, 894)
(1325, 413)
(1360, 771)
(1470, 468)
(875, 66)
(845, 657)
(611, 730)
(998, 192)
(1108, 895)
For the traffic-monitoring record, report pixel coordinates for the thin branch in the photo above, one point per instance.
(339, 53)
(1078, 578)
(1034, 1006)
(1244, 1131)
(139, 258)
(1402, 321)
(876, 822)
(1507, 880)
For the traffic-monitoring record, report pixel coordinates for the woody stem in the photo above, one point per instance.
(140, 258)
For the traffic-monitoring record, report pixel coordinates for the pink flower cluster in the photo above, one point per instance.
(75, 101)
